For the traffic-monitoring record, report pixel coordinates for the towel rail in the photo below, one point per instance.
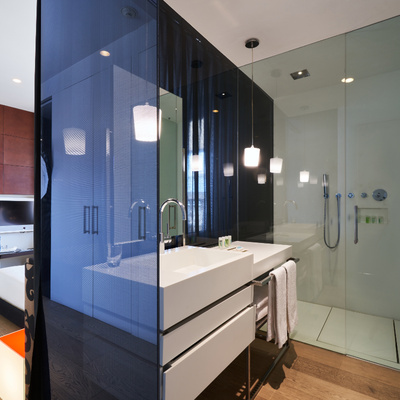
(263, 280)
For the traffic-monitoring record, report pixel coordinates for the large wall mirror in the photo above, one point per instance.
(172, 164)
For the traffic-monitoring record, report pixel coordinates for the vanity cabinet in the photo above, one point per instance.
(196, 352)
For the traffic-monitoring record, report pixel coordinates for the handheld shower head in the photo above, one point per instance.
(325, 184)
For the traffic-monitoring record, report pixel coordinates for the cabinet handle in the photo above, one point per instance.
(95, 220)
(86, 219)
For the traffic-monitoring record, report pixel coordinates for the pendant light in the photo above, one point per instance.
(275, 165)
(252, 154)
(74, 141)
(146, 125)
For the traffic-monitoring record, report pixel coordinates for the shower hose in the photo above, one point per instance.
(338, 196)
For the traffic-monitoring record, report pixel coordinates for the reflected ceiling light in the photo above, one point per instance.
(74, 141)
(196, 163)
(105, 53)
(228, 169)
(275, 165)
(215, 111)
(17, 80)
(347, 80)
(304, 176)
(252, 154)
(145, 123)
(262, 179)
(300, 74)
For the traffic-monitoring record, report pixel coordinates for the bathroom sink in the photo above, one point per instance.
(191, 278)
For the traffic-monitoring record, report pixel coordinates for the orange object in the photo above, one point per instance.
(15, 341)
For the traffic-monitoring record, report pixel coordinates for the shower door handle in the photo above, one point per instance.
(355, 224)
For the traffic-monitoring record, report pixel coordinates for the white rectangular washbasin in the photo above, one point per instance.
(192, 278)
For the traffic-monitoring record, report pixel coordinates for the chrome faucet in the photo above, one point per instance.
(163, 205)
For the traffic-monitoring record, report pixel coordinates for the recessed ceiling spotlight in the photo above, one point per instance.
(105, 53)
(223, 95)
(215, 111)
(300, 74)
(128, 12)
(17, 80)
(347, 80)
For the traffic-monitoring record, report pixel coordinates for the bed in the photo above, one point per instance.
(12, 293)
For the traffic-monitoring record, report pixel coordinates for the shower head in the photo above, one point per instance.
(325, 184)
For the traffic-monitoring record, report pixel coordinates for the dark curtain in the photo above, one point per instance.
(190, 67)
(223, 197)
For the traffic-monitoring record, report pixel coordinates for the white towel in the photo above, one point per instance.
(277, 307)
(261, 301)
(291, 295)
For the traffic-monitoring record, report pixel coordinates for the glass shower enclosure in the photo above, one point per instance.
(341, 121)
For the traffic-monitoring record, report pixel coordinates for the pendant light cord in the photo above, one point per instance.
(252, 97)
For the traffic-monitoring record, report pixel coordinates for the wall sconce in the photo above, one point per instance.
(252, 154)
(304, 176)
(74, 141)
(228, 170)
(145, 123)
(275, 165)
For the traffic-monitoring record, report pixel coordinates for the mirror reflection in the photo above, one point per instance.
(172, 163)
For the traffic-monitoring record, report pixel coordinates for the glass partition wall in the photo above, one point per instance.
(99, 89)
(340, 218)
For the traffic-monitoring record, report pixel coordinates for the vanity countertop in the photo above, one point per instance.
(266, 255)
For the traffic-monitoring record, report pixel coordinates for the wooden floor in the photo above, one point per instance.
(306, 372)
(7, 326)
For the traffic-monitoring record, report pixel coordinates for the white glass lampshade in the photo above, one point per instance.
(145, 123)
(261, 179)
(304, 176)
(197, 164)
(228, 170)
(275, 165)
(74, 141)
(251, 156)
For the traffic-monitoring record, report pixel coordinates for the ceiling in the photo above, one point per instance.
(280, 25)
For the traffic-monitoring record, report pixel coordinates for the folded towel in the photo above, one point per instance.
(261, 301)
(277, 307)
(291, 295)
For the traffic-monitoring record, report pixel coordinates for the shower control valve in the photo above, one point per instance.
(350, 195)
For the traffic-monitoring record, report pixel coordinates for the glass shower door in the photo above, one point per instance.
(373, 192)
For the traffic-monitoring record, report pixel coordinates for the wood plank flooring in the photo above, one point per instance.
(306, 372)
(6, 326)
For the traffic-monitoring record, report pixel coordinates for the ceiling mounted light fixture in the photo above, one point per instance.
(105, 53)
(252, 154)
(300, 74)
(128, 12)
(17, 80)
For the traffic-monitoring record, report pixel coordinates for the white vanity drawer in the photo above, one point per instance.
(177, 341)
(195, 370)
